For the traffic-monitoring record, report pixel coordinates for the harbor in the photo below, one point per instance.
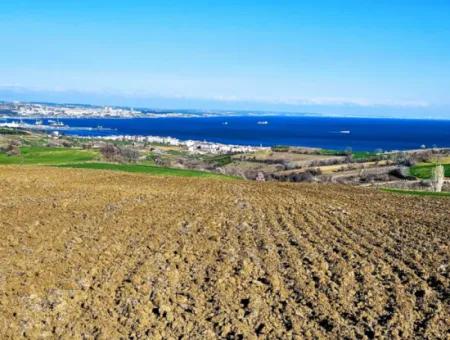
(50, 126)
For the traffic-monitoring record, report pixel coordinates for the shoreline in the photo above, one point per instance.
(333, 136)
(194, 146)
(223, 115)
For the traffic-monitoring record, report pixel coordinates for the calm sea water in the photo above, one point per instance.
(364, 133)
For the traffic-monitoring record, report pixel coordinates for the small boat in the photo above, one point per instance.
(262, 122)
(345, 132)
(225, 123)
(38, 122)
(56, 123)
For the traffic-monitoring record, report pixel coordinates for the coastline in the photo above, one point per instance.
(193, 146)
(360, 134)
(226, 115)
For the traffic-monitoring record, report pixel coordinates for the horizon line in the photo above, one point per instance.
(233, 112)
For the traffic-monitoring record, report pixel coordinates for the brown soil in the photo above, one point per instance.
(111, 255)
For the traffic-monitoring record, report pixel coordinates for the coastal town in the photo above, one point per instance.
(22, 109)
(53, 110)
(192, 146)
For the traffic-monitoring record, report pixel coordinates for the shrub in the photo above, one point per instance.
(67, 144)
(13, 148)
(13, 151)
(110, 152)
(129, 155)
(307, 176)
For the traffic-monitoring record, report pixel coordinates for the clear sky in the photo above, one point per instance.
(374, 57)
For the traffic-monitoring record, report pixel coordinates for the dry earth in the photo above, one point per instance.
(93, 254)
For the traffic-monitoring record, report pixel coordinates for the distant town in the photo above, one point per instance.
(192, 146)
(51, 110)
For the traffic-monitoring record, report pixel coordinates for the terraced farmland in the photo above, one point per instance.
(104, 254)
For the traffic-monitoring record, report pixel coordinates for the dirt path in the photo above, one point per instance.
(109, 255)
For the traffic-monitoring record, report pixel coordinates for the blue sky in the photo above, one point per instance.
(333, 57)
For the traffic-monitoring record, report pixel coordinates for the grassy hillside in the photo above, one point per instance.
(86, 159)
(50, 156)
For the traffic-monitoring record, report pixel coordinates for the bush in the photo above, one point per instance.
(13, 148)
(110, 152)
(113, 153)
(402, 173)
(129, 155)
(307, 176)
(13, 151)
(67, 144)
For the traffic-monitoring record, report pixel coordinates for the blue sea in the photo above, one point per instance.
(361, 134)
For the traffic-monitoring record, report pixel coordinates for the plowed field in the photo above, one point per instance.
(87, 253)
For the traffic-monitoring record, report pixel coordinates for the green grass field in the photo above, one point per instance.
(356, 155)
(48, 156)
(219, 160)
(417, 192)
(85, 159)
(424, 170)
(147, 169)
